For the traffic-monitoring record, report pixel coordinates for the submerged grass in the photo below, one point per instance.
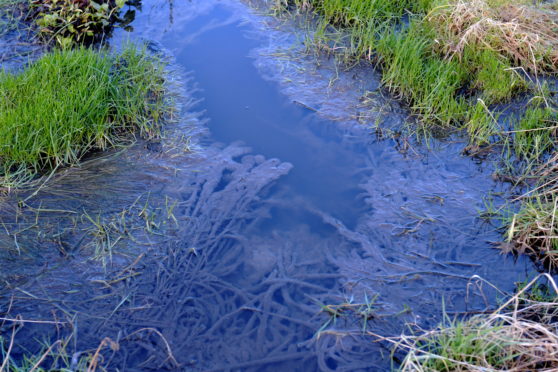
(71, 102)
(10, 13)
(55, 355)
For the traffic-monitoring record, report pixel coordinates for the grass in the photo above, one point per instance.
(55, 355)
(426, 82)
(525, 36)
(458, 64)
(536, 132)
(448, 55)
(72, 102)
(533, 230)
(519, 336)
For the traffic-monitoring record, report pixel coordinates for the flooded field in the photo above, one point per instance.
(271, 229)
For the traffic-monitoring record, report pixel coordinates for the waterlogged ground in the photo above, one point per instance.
(222, 259)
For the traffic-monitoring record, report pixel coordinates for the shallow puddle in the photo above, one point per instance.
(290, 205)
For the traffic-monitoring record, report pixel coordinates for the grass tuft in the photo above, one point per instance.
(430, 85)
(519, 336)
(533, 230)
(526, 36)
(69, 103)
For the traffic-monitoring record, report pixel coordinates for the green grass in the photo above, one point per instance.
(533, 229)
(493, 76)
(535, 133)
(69, 103)
(442, 91)
(518, 336)
(429, 84)
(364, 20)
(424, 63)
(457, 64)
(460, 343)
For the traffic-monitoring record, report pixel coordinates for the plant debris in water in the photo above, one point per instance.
(208, 275)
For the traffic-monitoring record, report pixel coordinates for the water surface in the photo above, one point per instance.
(235, 250)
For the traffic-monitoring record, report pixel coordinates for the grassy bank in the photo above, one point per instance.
(473, 66)
(69, 103)
(452, 61)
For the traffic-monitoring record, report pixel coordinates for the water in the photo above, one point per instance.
(231, 253)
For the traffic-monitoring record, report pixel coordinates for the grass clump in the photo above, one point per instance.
(413, 71)
(536, 132)
(364, 20)
(494, 77)
(533, 230)
(443, 56)
(525, 35)
(71, 102)
(519, 336)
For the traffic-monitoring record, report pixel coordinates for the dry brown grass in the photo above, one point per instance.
(521, 335)
(533, 230)
(524, 34)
